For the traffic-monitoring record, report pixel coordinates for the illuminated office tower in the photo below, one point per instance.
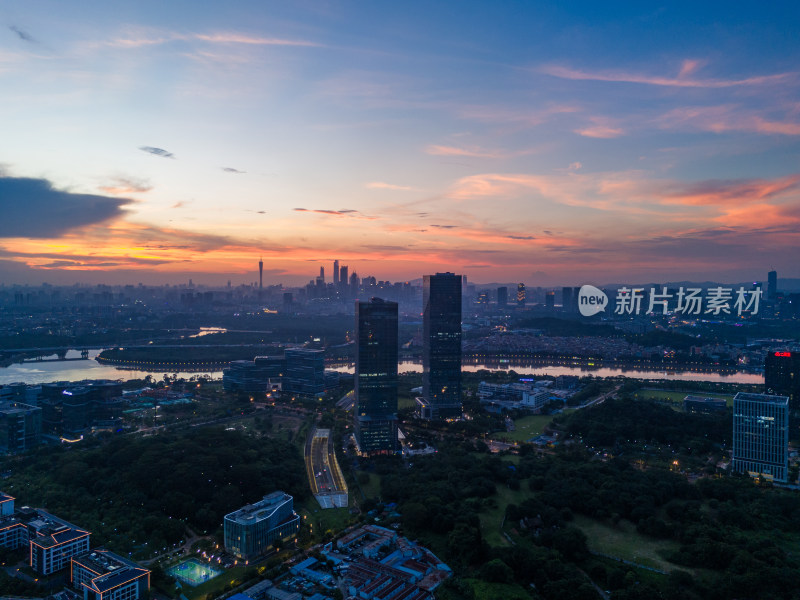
(761, 435)
(441, 354)
(521, 294)
(782, 376)
(376, 376)
(550, 300)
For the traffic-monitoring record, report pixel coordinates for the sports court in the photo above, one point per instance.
(193, 572)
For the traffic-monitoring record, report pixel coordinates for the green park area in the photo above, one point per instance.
(525, 428)
(624, 542)
(676, 397)
(324, 520)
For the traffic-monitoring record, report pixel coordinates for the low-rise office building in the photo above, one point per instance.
(253, 529)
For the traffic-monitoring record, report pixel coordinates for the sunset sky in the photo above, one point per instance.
(515, 141)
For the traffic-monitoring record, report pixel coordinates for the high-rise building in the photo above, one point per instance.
(322, 274)
(260, 274)
(782, 376)
(441, 354)
(568, 300)
(354, 282)
(502, 297)
(376, 376)
(20, 426)
(343, 279)
(521, 294)
(336, 273)
(772, 285)
(761, 435)
(550, 300)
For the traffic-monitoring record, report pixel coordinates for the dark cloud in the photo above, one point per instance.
(445, 226)
(32, 208)
(547, 232)
(157, 151)
(345, 212)
(232, 170)
(23, 35)
(521, 237)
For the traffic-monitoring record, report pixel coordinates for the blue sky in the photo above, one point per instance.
(551, 144)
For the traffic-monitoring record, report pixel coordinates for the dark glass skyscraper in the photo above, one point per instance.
(502, 297)
(376, 376)
(441, 354)
(782, 376)
(761, 435)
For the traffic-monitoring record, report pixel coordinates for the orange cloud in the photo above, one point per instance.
(473, 152)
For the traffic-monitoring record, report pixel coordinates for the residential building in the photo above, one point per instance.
(253, 529)
(761, 435)
(376, 376)
(441, 354)
(102, 575)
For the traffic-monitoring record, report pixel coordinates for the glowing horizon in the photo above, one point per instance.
(540, 144)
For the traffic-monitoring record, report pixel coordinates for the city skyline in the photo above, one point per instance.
(529, 143)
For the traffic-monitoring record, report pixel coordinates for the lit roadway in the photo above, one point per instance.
(324, 475)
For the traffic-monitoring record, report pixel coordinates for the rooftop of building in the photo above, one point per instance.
(770, 398)
(49, 537)
(101, 561)
(259, 511)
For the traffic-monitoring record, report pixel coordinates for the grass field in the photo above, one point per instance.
(676, 397)
(623, 541)
(525, 428)
(371, 489)
(492, 518)
(214, 587)
(329, 519)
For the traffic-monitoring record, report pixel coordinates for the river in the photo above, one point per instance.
(75, 370)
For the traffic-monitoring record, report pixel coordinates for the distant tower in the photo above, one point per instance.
(336, 273)
(566, 299)
(521, 294)
(260, 273)
(354, 281)
(502, 297)
(376, 376)
(772, 285)
(343, 279)
(322, 274)
(441, 351)
(550, 300)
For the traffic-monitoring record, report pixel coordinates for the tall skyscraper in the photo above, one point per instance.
(502, 297)
(354, 281)
(782, 376)
(343, 279)
(336, 273)
(260, 273)
(322, 274)
(521, 294)
(566, 299)
(376, 376)
(550, 300)
(772, 285)
(761, 435)
(441, 354)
